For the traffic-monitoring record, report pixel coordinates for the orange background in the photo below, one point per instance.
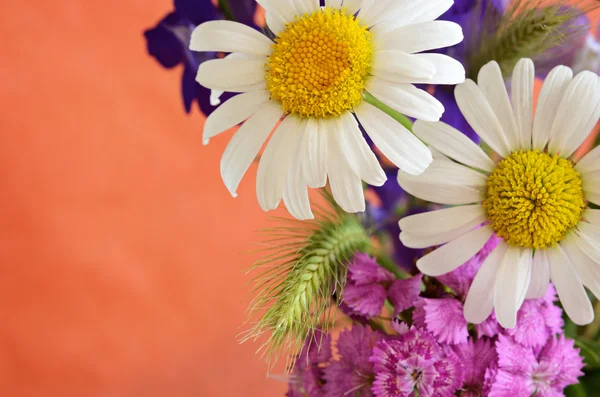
(121, 272)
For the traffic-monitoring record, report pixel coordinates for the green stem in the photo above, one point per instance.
(399, 117)
(224, 6)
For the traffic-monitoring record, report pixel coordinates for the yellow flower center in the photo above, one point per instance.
(534, 199)
(319, 64)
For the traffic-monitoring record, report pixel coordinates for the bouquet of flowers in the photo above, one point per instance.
(455, 247)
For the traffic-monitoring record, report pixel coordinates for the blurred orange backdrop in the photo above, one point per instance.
(120, 250)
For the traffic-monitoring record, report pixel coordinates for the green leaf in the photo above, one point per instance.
(590, 350)
(577, 390)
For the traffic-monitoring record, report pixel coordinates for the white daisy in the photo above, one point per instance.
(314, 75)
(535, 197)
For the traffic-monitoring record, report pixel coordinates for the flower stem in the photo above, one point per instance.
(224, 6)
(399, 117)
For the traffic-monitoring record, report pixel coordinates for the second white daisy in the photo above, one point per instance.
(535, 197)
(314, 75)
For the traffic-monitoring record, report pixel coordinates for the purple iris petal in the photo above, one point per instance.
(196, 11)
(162, 44)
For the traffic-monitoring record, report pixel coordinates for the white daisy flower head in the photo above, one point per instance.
(535, 197)
(313, 76)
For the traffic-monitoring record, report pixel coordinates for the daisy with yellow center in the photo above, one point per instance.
(314, 76)
(535, 198)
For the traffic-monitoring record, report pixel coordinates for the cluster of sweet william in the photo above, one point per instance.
(428, 348)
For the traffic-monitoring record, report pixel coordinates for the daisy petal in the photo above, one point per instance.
(512, 282)
(540, 275)
(586, 268)
(401, 67)
(480, 299)
(246, 143)
(306, 6)
(346, 185)
(275, 22)
(438, 184)
(337, 4)
(522, 96)
(233, 75)
(590, 162)
(397, 143)
(229, 36)
(552, 92)
(576, 115)
(412, 12)
(274, 164)
(314, 149)
(492, 85)
(374, 12)
(423, 36)
(455, 253)
(441, 221)
(453, 144)
(233, 112)
(360, 156)
(592, 216)
(295, 195)
(481, 117)
(406, 99)
(569, 288)
(284, 8)
(352, 6)
(447, 70)
(434, 238)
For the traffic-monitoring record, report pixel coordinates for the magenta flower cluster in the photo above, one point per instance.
(428, 349)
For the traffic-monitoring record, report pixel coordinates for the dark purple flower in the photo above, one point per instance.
(352, 374)
(168, 43)
(523, 372)
(414, 361)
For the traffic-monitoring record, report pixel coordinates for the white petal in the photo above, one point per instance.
(590, 162)
(438, 238)
(592, 194)
(577, 114)
(586, 268)
(421, 37)
(275, 163)
(233, 112)
(305, 7)
(455, 253)
(588, 245)
(447, 70)
(453, 144)
(492, 85)
(540, 275)
(406, 99)
(413, 12)
(522, 100)
(246, 143)
(481, 117)
(397, 143)
(229, 36)
(285, 9)
(569, 288)
(480, 299)
(592, 216)
(358, 152)
(443, 183)
(233, 75)
(275, 22)
(337, 4)
(295, 195)
(346, 185)
(512, 282)
(352, 6)
(552, 92)
(441, 221)
(314, 152)
(401, 67)
(374, 12)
